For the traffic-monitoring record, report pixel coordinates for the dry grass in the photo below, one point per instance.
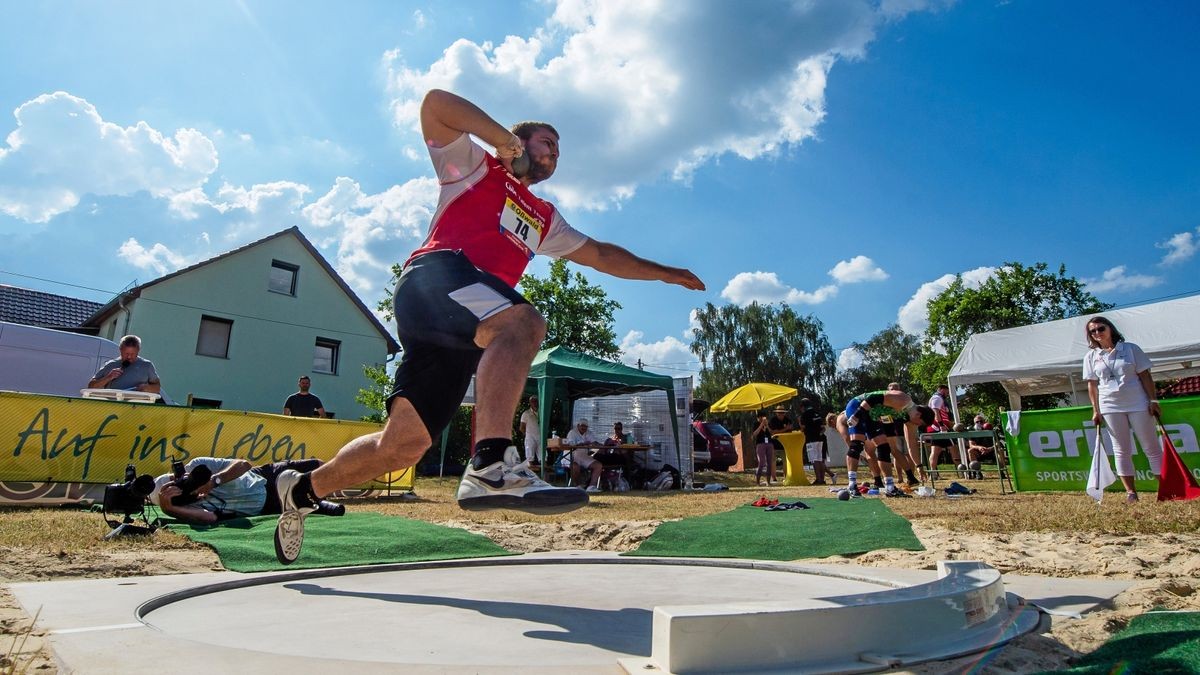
(70, 530)
(63, 531)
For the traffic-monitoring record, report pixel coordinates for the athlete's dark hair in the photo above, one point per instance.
(524, 130)
(926, 414)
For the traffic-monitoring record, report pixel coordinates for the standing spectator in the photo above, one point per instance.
(130, 372)
(813, 425)
(941, 408)
(763, 450)
(532, 432)
(582, 441)
(1123, 398)
(302, 403)
(943, 421)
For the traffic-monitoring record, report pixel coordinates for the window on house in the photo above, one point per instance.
(325, 356)
(283, 277)
(214, 337)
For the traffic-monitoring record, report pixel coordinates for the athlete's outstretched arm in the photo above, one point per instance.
(614, 260)
(446, 116)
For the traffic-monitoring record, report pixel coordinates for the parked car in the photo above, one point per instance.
(713, 446)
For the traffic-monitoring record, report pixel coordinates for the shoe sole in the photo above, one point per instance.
(553, 502)
(282, 553)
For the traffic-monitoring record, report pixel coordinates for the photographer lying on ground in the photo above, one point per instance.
(235, 489)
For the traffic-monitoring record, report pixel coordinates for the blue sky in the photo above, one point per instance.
(847, 157)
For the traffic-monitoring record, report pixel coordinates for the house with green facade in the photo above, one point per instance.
(239, 329)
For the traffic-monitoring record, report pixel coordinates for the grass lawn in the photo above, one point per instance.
(61, 531)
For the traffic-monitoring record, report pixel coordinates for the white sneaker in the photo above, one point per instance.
(510, 484)
(592, 489)
(289, 531)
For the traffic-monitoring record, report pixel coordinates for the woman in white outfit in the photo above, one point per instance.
(1123, 398)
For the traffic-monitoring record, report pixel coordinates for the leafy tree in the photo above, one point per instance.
(579, 315)
(384, 306)
(1016, 295)
(761, 343)
(887, 357)
(375, 397)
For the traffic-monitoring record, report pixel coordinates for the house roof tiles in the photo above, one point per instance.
(39, 308)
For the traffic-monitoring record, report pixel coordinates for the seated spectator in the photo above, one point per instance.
(614, 457)
(982, 449)
(235, 489)
(130, 372)
(582, 441)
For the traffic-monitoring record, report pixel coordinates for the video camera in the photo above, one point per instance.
(188, 483)
(129, 497)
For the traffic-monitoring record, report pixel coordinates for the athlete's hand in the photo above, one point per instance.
(514, 147)
(685, 278)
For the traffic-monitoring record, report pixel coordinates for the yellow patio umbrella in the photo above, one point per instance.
(753, 396)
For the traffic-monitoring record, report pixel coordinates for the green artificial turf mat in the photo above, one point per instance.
(1162, 643)
(248, 544)
(829, 527)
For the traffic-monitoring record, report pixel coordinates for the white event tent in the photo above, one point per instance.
(1047, 358)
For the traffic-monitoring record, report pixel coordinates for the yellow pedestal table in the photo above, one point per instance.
(793, 454)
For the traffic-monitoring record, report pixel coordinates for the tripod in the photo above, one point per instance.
(126, 528)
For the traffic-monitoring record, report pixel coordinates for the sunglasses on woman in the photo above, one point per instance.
(1097, 329)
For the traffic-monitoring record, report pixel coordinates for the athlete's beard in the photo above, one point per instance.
(538, 171)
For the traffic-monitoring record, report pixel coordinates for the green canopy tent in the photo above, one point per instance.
(561, 375)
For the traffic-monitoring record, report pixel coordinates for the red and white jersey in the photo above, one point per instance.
(489, 215)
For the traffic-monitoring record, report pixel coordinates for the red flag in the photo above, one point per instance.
(1177, 482)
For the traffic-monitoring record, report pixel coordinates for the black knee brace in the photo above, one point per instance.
(883, 453)
(856, 449)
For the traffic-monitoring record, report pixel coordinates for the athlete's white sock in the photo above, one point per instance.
(889, 483)
(852, 477)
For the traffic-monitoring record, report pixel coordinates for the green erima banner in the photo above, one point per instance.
(1053, 449)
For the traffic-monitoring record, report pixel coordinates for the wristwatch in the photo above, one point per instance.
(216, 481)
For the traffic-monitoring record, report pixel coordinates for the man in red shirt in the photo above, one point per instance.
(458, 314)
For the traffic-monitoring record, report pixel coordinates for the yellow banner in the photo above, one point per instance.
(75, 440)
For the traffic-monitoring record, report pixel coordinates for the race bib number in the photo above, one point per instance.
(520, 226)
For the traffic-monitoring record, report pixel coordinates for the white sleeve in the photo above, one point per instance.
(1089, 372)
(1141, 362)
(457, 160)
(562, 240)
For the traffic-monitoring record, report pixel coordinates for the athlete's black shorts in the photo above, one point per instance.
(440, 300)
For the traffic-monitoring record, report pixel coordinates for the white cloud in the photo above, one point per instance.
(62, 149)
(1180, 247)
(671, 353)
(245, 213)
(913, 317)
(1117, 280)
(857, 269)
(370, 232)
(765, 288)
(849, 358)
(647, 88)
(158, 258)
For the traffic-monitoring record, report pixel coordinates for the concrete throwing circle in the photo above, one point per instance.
(514, 612)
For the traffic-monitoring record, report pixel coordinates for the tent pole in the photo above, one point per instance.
(953, 398)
